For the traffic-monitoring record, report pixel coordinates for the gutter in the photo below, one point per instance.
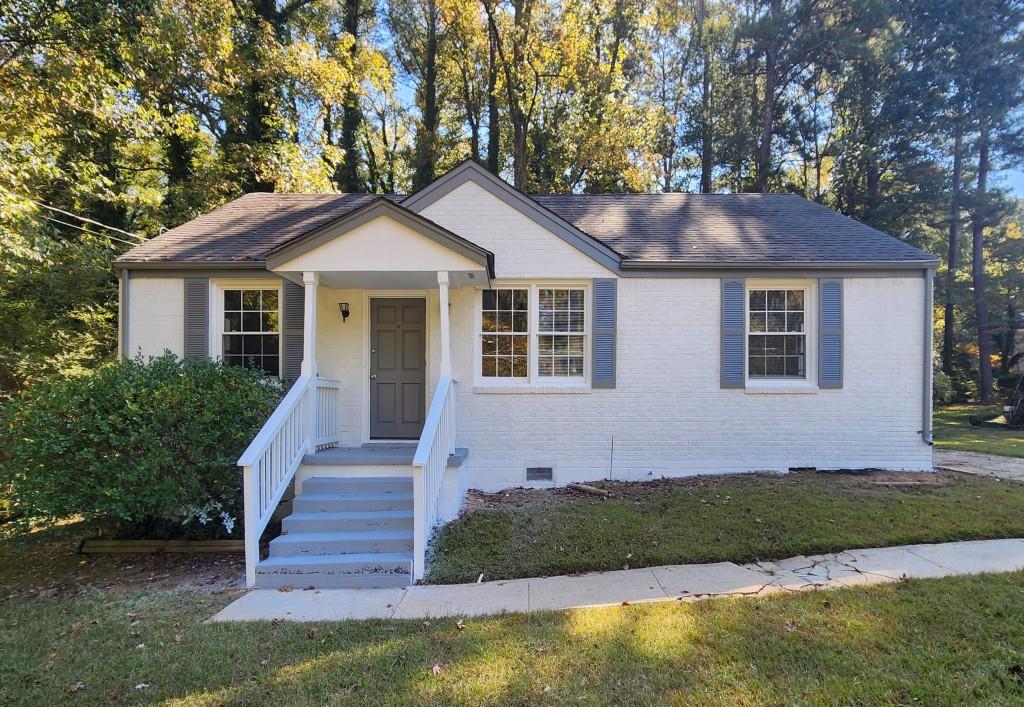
(775, 265)
(126, 277)
(927, 363)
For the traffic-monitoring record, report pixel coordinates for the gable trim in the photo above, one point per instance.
(378, 208)
(471, 171)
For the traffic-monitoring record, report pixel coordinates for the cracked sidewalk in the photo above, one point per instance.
(666, 583)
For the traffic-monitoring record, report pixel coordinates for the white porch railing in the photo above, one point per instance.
(437, 443)
(306, 420)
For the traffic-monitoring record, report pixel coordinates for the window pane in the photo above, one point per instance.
(232, 346)
(489, 345)
(756, 345)
(490, 321)
(576, 299)
(544, 366)
(794, 345)
(776, 321)
(505, 345)
(545, 345)
(795, 366)
(519, 322)
(794, 321)
(545, 321)
(561, 299)
(758, 298)
(795, 300)
(519, 367)
(232, 321)
(505, 299)
(775, 345)
(270, 365)
(775, 365)
(270, 344)
(270, 300)
(546, 299)
(250, 321)
(504, 366)
(561, 366)
(519, 300)
(490, 299)
(776, 300)
(504, 321)
(520, 345)
(575, 366)
(234, 360)
(269, 321)
(561, 321)
(758, 321)
(251, 300)
(756, 366)
(252, 345)
(576, 345)
(232, 300)
(490, 369)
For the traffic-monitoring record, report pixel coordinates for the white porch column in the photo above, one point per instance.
(446, 338)
(310, 280)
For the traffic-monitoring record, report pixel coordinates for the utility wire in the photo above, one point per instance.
(86, 230)
(68, 213)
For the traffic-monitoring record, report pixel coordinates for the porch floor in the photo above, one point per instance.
(385, 454)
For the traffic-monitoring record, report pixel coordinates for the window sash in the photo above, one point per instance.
(776, 332)
(251, 328)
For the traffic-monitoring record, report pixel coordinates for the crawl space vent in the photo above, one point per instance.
(539, 473)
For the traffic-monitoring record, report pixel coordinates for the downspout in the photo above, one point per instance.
(929, 335)
(123, 311)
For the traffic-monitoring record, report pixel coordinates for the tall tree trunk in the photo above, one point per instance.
(493, 126)
(954, 248)
(978, 222)
(706, 154)
(426, 135)
(771, 80)
(346, 176)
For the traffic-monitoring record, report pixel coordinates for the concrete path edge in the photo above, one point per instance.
(667, 583)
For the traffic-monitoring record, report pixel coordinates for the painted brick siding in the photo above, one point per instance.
(668, 416)
(156, 319)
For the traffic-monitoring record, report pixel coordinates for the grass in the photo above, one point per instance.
(955, 640)
(725, 518)
(953, 430)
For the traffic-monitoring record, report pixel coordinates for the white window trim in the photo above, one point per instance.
(217, 288)
(533, 383)
(807, 384)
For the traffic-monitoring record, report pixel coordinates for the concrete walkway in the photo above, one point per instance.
(981, 464)
(669, 583)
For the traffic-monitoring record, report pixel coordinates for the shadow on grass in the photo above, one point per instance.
(930, 641)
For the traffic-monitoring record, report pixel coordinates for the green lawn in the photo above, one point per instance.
(955, 640)
(708, 519)
(953, 430)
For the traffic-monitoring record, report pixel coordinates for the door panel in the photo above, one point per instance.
(397, 367)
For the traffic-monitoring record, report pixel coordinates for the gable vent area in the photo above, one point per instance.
(540, 473)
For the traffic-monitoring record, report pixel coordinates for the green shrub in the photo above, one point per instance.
(147, 445)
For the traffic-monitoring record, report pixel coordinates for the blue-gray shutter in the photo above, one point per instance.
(603, 333)
(292, 312)
(734, 295)
(830, 333)
(197, 317)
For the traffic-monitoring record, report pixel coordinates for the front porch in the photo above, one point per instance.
(367, 433)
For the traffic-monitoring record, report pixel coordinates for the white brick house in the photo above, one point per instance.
(470, 336)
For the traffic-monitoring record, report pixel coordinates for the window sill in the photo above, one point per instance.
(780, 388)
(532, 388)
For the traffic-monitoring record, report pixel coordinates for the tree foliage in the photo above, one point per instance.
(141, 115)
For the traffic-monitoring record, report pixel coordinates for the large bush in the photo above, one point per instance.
(143, 444)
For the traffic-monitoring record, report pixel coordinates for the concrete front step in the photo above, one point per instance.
(361, 484)
(340, 542)
(336, 571)
(327, 522)
(338, 502)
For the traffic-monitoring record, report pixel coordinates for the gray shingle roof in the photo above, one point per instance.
(690, 228)
(728, 228)
(247, 228)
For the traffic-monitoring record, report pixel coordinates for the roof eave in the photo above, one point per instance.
(662, 265)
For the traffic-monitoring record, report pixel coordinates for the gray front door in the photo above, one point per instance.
(397, 367)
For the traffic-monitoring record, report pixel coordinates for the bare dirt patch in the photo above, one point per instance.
(865, 480)
(46, 563)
